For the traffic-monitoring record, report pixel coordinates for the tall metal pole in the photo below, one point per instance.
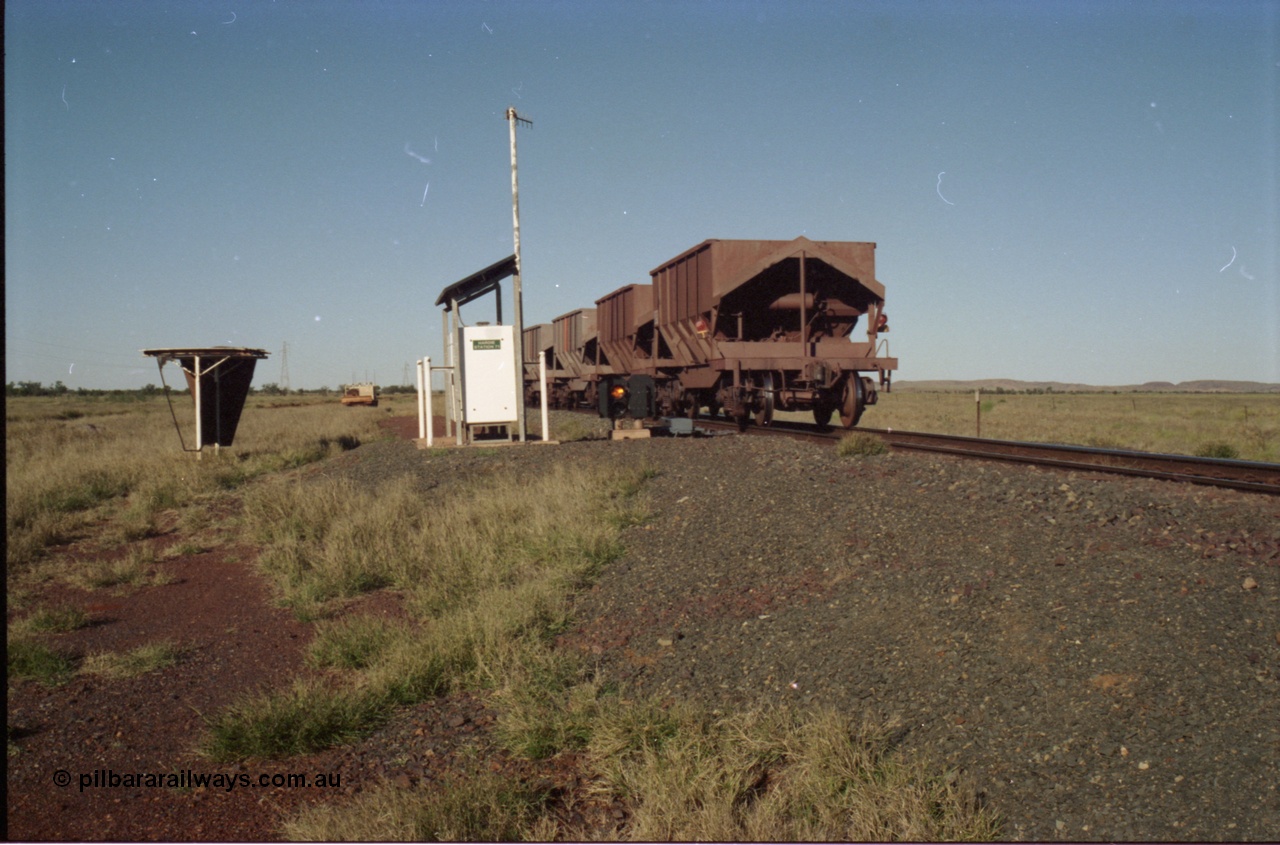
(512, 120)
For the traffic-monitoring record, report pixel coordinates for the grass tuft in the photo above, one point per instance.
(1218, 450)
(135, 569)
(30, 659)
(53, 620)
(482, 808)
(352, 643)
(860, 444)
(774, 775)
(307, 717)
(130, 664)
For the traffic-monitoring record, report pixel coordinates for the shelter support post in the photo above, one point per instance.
(448, 404)
(199, 414)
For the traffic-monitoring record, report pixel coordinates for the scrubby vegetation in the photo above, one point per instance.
(71, 461)
(1240, 425)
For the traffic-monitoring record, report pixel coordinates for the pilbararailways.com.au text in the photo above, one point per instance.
(187, 779)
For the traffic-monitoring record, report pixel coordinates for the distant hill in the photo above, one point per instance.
(992, 384)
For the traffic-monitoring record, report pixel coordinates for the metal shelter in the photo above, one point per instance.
(452, 298)
(219, 379)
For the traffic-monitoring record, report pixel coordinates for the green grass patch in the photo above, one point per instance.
(30, 659)
(306, 717)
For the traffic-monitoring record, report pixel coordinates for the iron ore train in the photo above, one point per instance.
(739, 327)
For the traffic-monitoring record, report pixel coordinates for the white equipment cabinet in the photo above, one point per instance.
(488, 375)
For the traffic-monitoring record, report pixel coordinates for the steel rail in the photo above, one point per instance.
(1250, 476)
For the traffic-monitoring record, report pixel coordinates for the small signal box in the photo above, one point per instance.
(490, 377)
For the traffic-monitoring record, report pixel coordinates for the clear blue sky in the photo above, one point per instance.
(1073, 191)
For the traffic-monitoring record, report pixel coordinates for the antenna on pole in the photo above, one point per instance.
(284, 367)
(517, 301)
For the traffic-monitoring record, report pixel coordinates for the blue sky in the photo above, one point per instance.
(1075, 191)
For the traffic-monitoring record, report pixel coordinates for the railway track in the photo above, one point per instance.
(1251, 476)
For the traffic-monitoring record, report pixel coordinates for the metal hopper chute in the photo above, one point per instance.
(219, 379)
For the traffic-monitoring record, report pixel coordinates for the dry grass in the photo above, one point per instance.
(775, 775)
(484, 575)
(1156, 422)
(50, 620)
(136, 569)
(481, 808)
(860, 444)
(71, 461)
(332, 540)
(130, 664)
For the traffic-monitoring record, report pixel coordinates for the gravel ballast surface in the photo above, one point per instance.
(1099, 654)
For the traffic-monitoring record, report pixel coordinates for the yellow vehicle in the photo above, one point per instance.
(360, 394)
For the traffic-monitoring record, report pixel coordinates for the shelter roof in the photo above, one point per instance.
(478, 283)
(172, 353)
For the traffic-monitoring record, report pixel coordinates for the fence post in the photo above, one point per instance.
(418, 373)
(426, 401)
(542, 377)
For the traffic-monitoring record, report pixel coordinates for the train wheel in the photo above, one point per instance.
(764, 414)
(822, 415)
(854, 402)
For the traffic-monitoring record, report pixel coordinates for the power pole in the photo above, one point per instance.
(517, 301)
(284, 367)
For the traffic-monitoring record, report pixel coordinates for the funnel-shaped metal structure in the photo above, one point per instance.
(219, 379)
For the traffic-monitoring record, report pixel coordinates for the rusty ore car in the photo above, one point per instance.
(739, 327)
